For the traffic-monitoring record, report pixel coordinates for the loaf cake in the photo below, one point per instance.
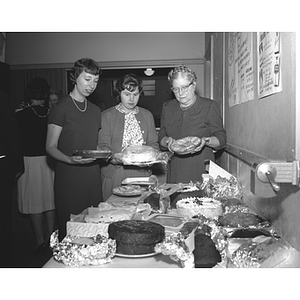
(206, 254)
(136, 237)
(266, 253)
(242, 220)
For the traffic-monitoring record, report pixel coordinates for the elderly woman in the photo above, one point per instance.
(189, 115)
(73, 124)
(125, 125)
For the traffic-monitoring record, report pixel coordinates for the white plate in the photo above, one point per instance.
(136, 256)
(138, 181)
(170, 222)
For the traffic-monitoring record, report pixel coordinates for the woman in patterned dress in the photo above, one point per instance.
(125, 125)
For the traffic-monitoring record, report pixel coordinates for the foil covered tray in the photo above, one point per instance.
(74, 251)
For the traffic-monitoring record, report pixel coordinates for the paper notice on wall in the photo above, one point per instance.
(269, 63)
(240, 68)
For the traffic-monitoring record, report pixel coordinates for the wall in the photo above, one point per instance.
(64, 48)
(266, 128)
(37, 50)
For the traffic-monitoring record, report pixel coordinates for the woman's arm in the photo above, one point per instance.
(53, 135)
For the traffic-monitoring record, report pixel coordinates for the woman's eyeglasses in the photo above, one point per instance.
(183, 89)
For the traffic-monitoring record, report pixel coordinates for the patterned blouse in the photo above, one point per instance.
(132, 130)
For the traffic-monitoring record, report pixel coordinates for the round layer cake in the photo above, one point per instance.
(192, 206)
(190, 190)
(136, 237)
(139, 154)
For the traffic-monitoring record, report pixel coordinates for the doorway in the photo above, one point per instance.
(103, 95)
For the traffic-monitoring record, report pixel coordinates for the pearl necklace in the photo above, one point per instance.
(74, 101)
(40, 116)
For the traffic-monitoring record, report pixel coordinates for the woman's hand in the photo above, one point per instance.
(200, 147)
(78, 160)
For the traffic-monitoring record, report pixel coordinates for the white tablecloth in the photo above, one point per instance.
(156, 261)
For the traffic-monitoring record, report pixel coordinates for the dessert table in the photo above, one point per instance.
(158, 260)
(155, 261)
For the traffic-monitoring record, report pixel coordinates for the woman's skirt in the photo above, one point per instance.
(36, 186)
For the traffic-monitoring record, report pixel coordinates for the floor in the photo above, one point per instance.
(23, 242)
(23, 239)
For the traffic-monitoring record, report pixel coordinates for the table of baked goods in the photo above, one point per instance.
(160, 260)
(216, 229)
(156, 261)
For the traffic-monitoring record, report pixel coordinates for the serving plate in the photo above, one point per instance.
(136, 255)
(170, 222)
(128, 190)
(92, 153)
(138, 181)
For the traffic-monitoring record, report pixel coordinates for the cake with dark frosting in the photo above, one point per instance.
(135, 237)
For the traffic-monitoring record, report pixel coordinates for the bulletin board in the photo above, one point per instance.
(264, 126)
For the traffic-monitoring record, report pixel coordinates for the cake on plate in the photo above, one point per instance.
(139, 154)
(136, 237)
(192, 206)
(188, 190)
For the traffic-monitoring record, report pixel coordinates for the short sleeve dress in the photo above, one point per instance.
(76, 186)
(203, 119)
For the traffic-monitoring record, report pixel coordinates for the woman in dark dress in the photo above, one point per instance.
(73, 124)
(190, 115)
(35, 186)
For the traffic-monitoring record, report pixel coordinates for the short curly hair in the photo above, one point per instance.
(182, 71)
(37, 89)
(129, 82)
(87, 65)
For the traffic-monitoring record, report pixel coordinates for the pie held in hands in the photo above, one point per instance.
(185, 145)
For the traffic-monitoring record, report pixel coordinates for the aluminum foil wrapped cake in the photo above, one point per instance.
(174, 245)
(142, 156)
(75, 251)
(180, 246)
(222, 188)
(260, 252)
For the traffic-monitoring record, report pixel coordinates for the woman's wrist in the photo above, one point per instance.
(207, 141)
(164, 142)
(211, 142)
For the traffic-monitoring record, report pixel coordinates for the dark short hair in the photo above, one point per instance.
(87, 65)
(37, 89)
(128, 82)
